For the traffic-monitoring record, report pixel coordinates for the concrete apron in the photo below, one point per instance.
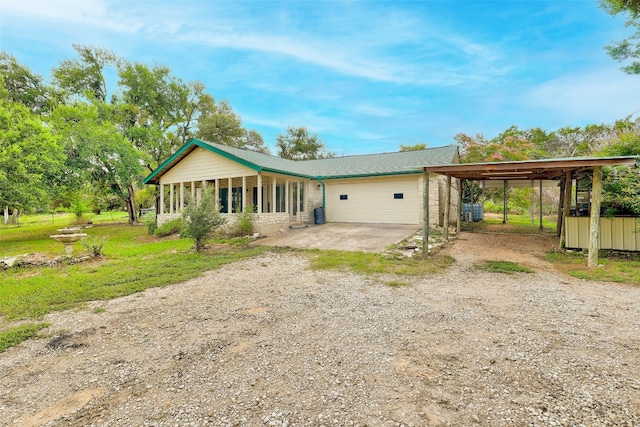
(342, 236)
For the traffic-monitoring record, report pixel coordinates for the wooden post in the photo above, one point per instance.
(594, 232)
(459, 210)
(425, 213)
(540, 204)
(447, 209)
(504, 203)
(566, 207)
(161, 207)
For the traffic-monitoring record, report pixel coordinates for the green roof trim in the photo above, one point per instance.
(358, 166)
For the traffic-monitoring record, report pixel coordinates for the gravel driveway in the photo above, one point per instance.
(270, 342)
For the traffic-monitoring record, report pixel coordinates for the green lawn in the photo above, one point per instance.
(621, 267)
(132, 261)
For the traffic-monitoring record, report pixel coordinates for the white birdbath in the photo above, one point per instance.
(68, 236)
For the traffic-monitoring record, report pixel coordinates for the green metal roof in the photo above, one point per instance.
(403, 162)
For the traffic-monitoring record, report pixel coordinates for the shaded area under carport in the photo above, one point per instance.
(342, 236)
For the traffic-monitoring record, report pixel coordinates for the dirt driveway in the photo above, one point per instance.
(270, 342)
(342, 236)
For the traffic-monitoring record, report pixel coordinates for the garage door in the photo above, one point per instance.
(374, 201)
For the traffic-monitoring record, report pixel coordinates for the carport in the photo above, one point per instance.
(563, 170)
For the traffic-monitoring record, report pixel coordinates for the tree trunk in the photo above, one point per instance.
(6, 214)
(131, 205)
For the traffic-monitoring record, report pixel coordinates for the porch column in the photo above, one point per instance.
(298, 200)
(273, 194)
(193, 190)
(307, 186)
(171, 198)
(594, 231)
(244, 193)
(161, 199)
(286, 196)
(181, 197)
(425, 213)
(447, 209)
(229, 194)
(217, 195)
(259, 185)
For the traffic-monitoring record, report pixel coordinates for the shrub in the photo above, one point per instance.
(201, 219)
(244, 223)
(170, 227)
(95, 244)
(152, 227)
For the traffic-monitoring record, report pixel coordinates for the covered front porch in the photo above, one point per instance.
(276, 200)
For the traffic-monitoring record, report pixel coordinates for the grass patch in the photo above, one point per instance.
(517, 224)
(620, 267)
(133, 261)
(16, 335)
(506, 267)
(397, 284)
(375, 263)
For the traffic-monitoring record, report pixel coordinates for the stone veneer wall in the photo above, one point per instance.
(265, 223)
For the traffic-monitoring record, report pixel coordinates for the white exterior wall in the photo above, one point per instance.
(202, 164)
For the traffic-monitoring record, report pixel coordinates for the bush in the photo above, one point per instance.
(170, 227)
(95, 244)
(201, 219)
(152, 226)
(244, 223)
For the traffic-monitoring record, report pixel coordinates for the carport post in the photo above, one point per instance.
(504, 203)
(459, 210)
(447, 209)
(566, 207)
(540, 204)
(425, 213)
(594, 232)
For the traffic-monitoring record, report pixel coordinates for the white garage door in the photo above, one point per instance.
(374, 201)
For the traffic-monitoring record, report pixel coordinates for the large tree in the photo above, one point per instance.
(25, 87)
(222, 125)
(30, 157)
(629, 48)
(84, 76)
(299, 144)
(97, 153)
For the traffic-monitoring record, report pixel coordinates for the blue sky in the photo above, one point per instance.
(366, 76)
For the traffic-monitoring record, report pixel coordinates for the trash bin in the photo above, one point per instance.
(318, 215)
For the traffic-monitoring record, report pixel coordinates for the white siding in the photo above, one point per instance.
(203, 164)
(372, 200)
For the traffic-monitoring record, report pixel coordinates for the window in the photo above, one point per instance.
(398, 195)
(343, 197)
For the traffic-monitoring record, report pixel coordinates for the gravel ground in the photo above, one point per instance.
(270, 342)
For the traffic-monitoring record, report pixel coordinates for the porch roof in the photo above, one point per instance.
(404, 162)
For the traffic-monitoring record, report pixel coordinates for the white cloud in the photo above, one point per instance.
(598, 96)
(94, 14)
